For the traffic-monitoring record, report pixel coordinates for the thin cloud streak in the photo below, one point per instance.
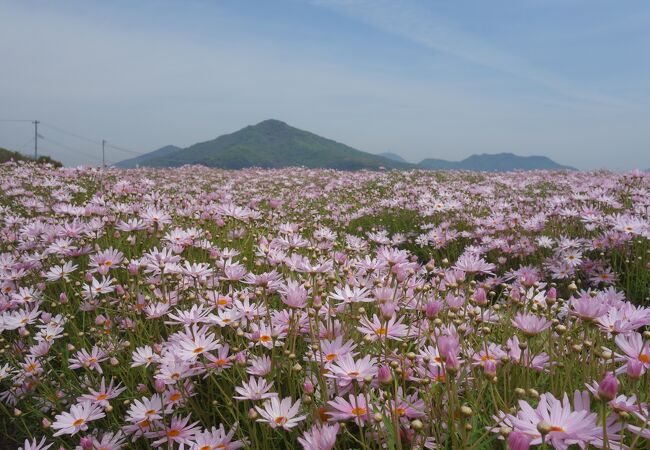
(423, 27)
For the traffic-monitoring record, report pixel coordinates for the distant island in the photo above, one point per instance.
(275, 144)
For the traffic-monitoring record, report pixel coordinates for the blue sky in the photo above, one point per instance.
(569, 79)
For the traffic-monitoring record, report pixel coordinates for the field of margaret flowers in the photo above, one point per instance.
(203, 309)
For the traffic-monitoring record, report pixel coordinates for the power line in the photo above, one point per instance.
(133, 152)
(67, 147)
(93, 141)
(104, 143)
(70, 133)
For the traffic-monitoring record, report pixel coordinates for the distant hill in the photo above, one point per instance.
(499, 162)
(393, 157)
(139, 160)
(269, 144)
(8, 155)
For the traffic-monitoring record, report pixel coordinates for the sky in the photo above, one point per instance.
(567, 79)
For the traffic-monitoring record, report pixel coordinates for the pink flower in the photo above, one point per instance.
(530, 324)
(280, 413)
(320, 437)
(77, 419)
(294, 294)
(35, 445)
(633, 346)
(378, 330)
(216, 439)
(346, 369)
(177, 432)
(89, 360)
(355, 407)
(254, 389)
(566, 425)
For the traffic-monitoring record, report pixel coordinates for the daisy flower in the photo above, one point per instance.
(77, 419)
(566, 425)
(34, 445)
(104, 394)
(280, 413)
(355, 407)
(346, 369)
(320, 437)
(254, 389)
(530, 324)
(178, 432)
(216, 439)
(391, 329)
(145, 409)
(634, 348)
(89, 360)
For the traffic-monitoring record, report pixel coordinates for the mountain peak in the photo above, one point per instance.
(271, 143)
(272, 123)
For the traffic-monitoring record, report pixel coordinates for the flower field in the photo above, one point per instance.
(203, 309)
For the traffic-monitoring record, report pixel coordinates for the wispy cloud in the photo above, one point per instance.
(421, 25)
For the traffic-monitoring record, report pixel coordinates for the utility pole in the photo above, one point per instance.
(103, 152)
(35, 139)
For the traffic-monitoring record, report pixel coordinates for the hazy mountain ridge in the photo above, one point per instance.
(274, 144)
(498, 162)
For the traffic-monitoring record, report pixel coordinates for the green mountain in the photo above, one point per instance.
(499, 162)
(270, 144)
(8, 155)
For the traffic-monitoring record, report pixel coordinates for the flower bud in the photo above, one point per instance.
(518, 441)
(490, 368)
(133, 269)
(388, 310)
(86, 443)
(432, 309)
(634, 368)
(159, 385)
(544, 427)
(384, 375)
(608, 387)
(479, 297)
(308, 387)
